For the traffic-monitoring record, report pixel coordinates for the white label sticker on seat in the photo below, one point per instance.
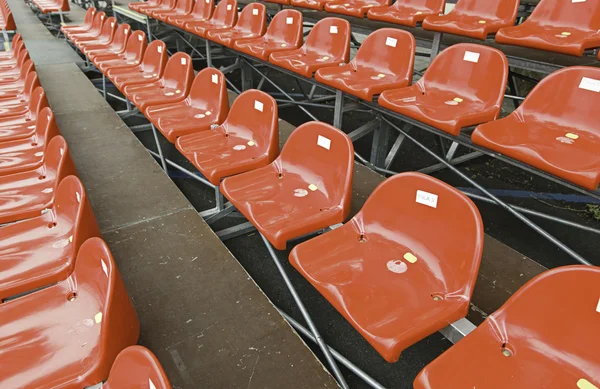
(333, 30)
(112, 24)
(598, 307)
(183, 61)
(159, 49)
(258, 105)
(389, 41)
(228, 7)
(324, 142)
(289, 20)
(427, 198)
(255, 11)
(139, 38)
(585, 384)
(577, 1)
(150, 383)
(125, 31)
(471, 56)
(590, 84)
(215, 78)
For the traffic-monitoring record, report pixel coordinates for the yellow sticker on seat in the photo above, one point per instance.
(585, 384)
(410, 257)
(565, 33)
(98, 317)
(482, 22)
(458, 99)
(572, 136)
(313, 187)
(250, 143)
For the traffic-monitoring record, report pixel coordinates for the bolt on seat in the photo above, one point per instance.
(172, 87)
(567, 27)
(474, 18)
(129, 58)
(70, 333)
(473, 95)
(356, 8)
(398, 271)
(134, 72)
(283, 33)
(135, 367)
(248, 139)
(201, 12)
(385, 60)
(27, 194)
(23, 125)
(558, 136)
(182, 8)
(252, 23)
(116, 46)
(206, 105)
(407, 12)
(530, 341)
(224, 17)
(295, 195)
(327, 44)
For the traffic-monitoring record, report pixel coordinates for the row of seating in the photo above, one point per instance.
(52, 6)
(61, 294)
(7, 22)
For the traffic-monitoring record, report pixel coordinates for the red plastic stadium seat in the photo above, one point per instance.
(408, 12)
(310, 4)
(206, 105)
(25, 195)
(8, 21)
(23, 125)
(93, 32)
(18, 51)
(327, 44)
(105, 38)
(247, 140)
(356, 8)
(136, 367)
(165, 6)
(296, 195)
(530, 341)
(474, 18)
(282, 2)
(28, 154)
(38, 252)
(11, 52)
(567, 27)
(172, 87)
(398, 271)
(9, 82)
(225, 16)
(85, 26)
(202, 11)
(284, 33)
(384, 60)
(130, 58)
(115, 47)
(559, 136)
(252, 23)
(473, 95)
(136, 6)
(48, 6)
(70, 333)
(13, 68)
(20, 104)
(149, 70)
(182, 8)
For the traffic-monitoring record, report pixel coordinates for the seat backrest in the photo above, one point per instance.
(170, 4)
(22, 56)
(580, 15)
(388, 50)
(475, 71)
(225, 13)
(97, 23)
(26, 68)
(505, 10)
(203, 9)
(331, 37)
(331, 163)
(45, 128)
(443, 225)
(16, 38)
(57, 162)
(121, 35)
(136, 366)
(108, 28)
(179, 72)
(184, 6)
(436, 6)
(286, 27)
(252, 19)
(9, 21)
(89, 17)
(17, 47)
(579, 91)
(155, 57)
(254, 116)
(31, 83)
(136, 45)
(209, 92)
(37, 101)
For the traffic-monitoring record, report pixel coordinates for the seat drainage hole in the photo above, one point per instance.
(507, 352)
(71, 296)
(437, 297)
(280, 176)
(41, 178)
(52, 225)
(361, 238)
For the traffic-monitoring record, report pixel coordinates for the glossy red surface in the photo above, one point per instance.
(202, 11)
(86, 25)
(47, 6)
(136, 6)
(13, 68)
(474, 18)
(252, 23)
(284, 2)
(14, 89)
(137, 368)
(115, 47)
(398, 271)
(182, 8)
(105, 38)
(93, 32)
(69, 334)
(567, 27)
(310, 4)
(150, 69)
(539, 132)
(283, 33)
(130, 58)
(25, 195)
(20, 96)
(165, 6)
(23, 125)
(224, 17)
(327, 44)
(407, 12)
(385, 60)
(20, 55)
(247, 140)
(295, 195)
(356, 8)
(544, 336)
(206, 104)
(172, 87)
(10, 53)
(10, 82)
(455, 92)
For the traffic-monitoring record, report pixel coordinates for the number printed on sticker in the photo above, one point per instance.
(426, 198)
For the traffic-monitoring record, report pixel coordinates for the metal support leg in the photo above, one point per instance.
(451, 151)
(247, 79)
(104, 86)
(334, 367)
(512, 82)
(208, 55)
(149, 29)
(394, 151)
(435, 46)
(338, 111)
(160, 152)
(379, 147)
(235, 231)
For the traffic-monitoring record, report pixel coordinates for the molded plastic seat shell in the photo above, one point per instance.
(252, 23)
(356, 8)
(69, 334)
(130, 58)
(23, 125)
(115, 47)
(474, 18)
(473, 95)
(86, 25)
(207, 104)
(136, 367)
(105, 38)
(567, 27)
(383, 268)
(327, 44)
(282, 2)
(182, 8)
(296, 195)
(224, 17)
(407, 12)
(48, 6)
(93, 33)
(385, 60)
(202, 11)
(530, 341)
(557, 135)
(317, 5)
(15, 81)
(138, 5)
(165, 6)
(247, 140)
(11, 52)
(150, 69)
(23, 96)
(283, 33)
